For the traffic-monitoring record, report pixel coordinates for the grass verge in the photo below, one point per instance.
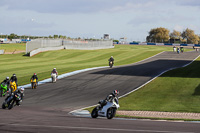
(175, 91)
(13, 47)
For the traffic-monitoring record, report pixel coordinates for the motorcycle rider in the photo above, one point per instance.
(34, 77)
(55, 71)
(111, 59)
(7, 82)
(109, 98)
(21, 92)
(14, 78)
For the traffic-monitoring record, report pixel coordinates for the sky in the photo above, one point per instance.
(132, 19)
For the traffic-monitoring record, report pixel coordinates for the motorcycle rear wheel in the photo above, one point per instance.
(1, 91)
(3, 106)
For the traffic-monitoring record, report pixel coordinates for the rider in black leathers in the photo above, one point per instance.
(14, 78)
(35, 77)
(111, 59)
(19, 92)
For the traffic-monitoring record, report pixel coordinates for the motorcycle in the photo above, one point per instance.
(53, 77)
(110, 64)
(33, 83)
(3, 89)
(13, 86)
(9, 102)
(109, 110)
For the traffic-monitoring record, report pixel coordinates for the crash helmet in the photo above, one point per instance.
(116, 92)
(54, 68)
(22, 90)
(111, 56)
(7, 78)
(14, 75)
(34, 74)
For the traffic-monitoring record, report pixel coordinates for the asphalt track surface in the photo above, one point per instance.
(46, 109)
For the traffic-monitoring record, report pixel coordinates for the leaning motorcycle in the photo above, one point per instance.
(13, 86)
(33, 83)
(109, 110)
(9, 102)
(110, 64)
(53, 77)
(3, 89)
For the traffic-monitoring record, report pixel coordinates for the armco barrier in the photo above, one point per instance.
(169, 44)
(151, 43)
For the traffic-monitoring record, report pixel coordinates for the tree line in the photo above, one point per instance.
(163, 35)
(15, 36)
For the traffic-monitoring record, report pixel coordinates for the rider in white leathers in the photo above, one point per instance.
(109, 98)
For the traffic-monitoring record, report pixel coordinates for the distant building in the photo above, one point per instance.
(106, 36)
(122, 40)
(174, 41)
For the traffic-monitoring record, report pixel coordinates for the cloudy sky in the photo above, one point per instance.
(93, 18)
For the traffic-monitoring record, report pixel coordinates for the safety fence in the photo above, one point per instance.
(42, 43)
(39, 45)
(88, 45)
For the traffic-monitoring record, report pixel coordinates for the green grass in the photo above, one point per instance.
(71, 60)
(12, 47)
(175, 91)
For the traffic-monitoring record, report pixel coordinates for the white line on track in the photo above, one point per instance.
(93, 128)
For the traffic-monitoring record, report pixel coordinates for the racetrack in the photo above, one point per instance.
(46, 108)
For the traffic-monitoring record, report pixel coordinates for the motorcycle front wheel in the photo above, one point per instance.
(111, 113)
(11, 104)
(35, 85)
(94, 113)
(32, 85)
